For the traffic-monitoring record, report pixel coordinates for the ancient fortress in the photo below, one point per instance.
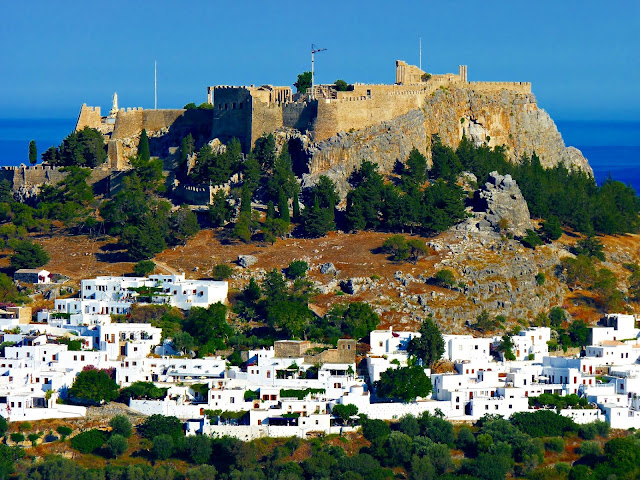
(338, 129)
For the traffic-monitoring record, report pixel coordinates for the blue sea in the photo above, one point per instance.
(612, 148)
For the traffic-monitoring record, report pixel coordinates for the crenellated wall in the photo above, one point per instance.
(89, 117)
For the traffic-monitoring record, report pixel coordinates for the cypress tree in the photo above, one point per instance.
(283, 206)
(143, 147)
(33, 152)
(271, 211)
(296, 207)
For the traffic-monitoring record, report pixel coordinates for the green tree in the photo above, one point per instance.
(190, 106)
(344, 412)
(297, 269)
(506, 346)
(341, 85)
(116, 445)
(95, 386)
(121, 425)
(33, 152)
(198, 448)
(404, 383)
(162, 425)
(531, 239)
(317, 221)
(303, 83)
(396, 246)
(359, 320)
(162, 446)
(209, 327)
(144, 268)
(183, 224)
(429, 346)
(182, 342)
(589, 246)
(89, 440)
(222, 271)
(143, 147)
(445, 278)
(27, 254)
(220, 210)
(552, 228)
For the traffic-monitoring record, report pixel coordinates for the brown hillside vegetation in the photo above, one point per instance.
(401, 302)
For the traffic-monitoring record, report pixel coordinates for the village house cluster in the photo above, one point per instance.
(292, 388)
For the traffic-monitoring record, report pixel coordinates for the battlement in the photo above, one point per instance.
(33, 168)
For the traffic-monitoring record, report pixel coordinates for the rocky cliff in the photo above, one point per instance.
(504, 118)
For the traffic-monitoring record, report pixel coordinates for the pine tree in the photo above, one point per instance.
(33, 152)
(143, 147)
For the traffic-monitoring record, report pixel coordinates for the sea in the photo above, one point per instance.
(612, 148)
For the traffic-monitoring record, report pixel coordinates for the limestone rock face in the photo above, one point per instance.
(498, 118)
(500, 200)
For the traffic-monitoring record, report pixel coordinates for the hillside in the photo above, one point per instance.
(498, 274)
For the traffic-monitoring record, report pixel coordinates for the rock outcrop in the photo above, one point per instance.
(503, 205)
(497, 118)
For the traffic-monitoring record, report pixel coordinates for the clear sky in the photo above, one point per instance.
(581, 56)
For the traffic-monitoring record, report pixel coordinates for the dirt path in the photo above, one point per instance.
(164, 266)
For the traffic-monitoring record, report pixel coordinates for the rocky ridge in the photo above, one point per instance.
(504, 118)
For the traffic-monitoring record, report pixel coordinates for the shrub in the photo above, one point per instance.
(64, 431)
(540, 279)
(25, 426)
(590, 448)
(198, 449)
(17, 437)
(543, 423)
(555, 444)
(297, 269)
(531, 239)
(33, 438)
(445, 278)
(3, 426)
(159, 425)
(94, 385)
(222, 271)
(121, 425)
(89, 441)
(116, 445)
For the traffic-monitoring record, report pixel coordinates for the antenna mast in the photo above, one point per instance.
(155, 85)
(420, 53)
(314, 50)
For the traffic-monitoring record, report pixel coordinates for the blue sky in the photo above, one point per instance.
(581, 56)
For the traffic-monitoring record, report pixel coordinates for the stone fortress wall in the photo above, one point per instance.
(248, 112)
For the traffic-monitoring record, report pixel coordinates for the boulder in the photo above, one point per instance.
(503, 205)
(246, 261)
(327, 268)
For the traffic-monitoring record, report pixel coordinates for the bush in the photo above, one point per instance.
(555, 444)
(3, 426)
(144, 268)
(531, 239)
(543, 423)
(445, 278)
(89, 441)
(33, 438)
(222, 271)
(297, 269)
(25, 426)
(540, 279)
(116, 445)
(121, 425)
(590, 448)
(162, 446)
(64, 431)
(160, 425)
(17, 437)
